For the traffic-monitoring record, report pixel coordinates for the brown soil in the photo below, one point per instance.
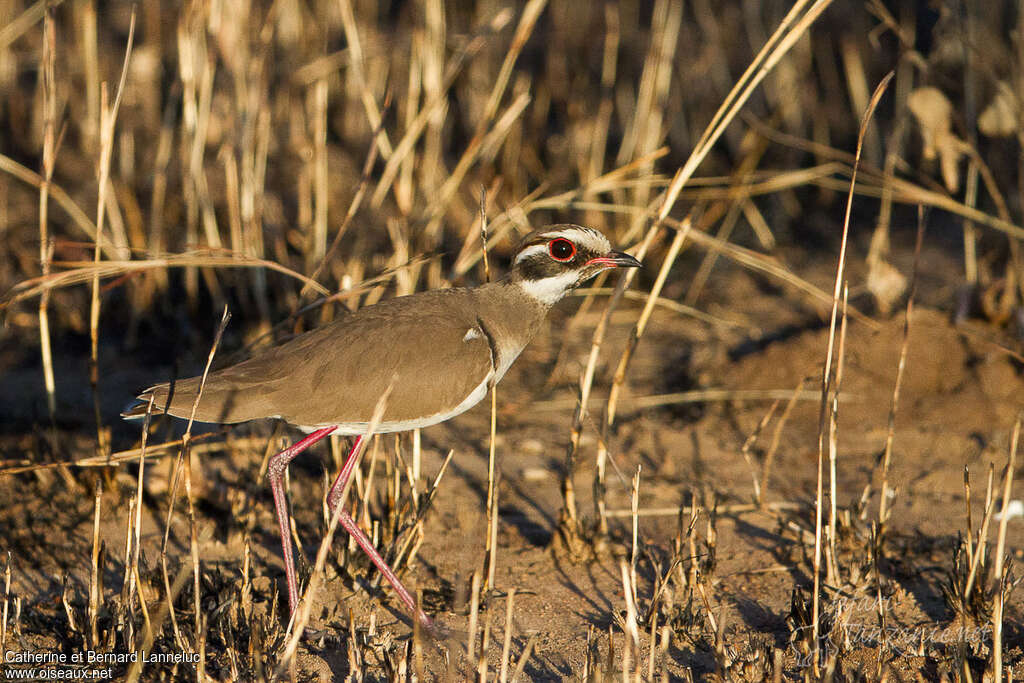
(957, 404)
(242, 134)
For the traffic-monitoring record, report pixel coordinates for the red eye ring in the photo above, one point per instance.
(561, 249)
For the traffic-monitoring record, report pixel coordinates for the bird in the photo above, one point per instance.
(437, 352)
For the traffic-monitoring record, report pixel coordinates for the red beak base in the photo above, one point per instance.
(615, 259)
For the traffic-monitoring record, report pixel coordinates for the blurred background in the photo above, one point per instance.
(243, 131)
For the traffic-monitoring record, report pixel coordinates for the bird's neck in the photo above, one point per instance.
(510, 316)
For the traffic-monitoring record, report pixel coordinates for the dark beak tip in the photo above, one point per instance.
(624, 260)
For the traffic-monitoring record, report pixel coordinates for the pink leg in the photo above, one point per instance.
(275, 473)
(349, 524)
(344, 475)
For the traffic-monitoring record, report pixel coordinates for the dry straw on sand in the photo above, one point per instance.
(659, 491)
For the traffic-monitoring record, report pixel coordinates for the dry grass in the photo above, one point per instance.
(290, 161)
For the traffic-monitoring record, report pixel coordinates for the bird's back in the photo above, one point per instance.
(429, 346)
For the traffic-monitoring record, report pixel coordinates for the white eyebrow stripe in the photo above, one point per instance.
(531, 250)
(583, 237)
(568, 233)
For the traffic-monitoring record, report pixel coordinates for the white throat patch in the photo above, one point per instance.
(550, 290)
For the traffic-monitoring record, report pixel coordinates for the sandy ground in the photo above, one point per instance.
(958, 402)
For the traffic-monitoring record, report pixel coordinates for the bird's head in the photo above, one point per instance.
(551, 261)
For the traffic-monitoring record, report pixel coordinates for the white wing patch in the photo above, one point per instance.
(471, 334)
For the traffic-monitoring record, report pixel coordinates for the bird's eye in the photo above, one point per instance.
(561, 249)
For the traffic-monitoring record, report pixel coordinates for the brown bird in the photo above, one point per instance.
(438, 351)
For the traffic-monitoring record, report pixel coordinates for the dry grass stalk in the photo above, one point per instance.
(408, 543)
(634, 506)
(29, 17)
(482, 139)
(651, 644)
(832, 560)
(569, 523)
(188, 457)
(619, 377)
(166, 609)
(506, 645)
(524, 657)
(358, 69)
(62, 198)
(299, 620)
(133, 534)
(1002, 587)
(638, 403)
(968, 541)
(490, 543)
(609, 62)
(434, 105)
(131, 455)
(645, 129)
(979, 553)
(631, 644)
(793, 26)
(876, 184)
(761, 263)
(367, 487)
(474, 615)
(738, 508)
(827, 377)
(883, 503)
(882, 608)
(95, 575)
(748, 444)
(49, 157)
(666, 303)
(479, 147)
(353, 208)
(485, 643)
(185, 454)
(769, 457)
(85, 272)
(492, 521)
(970, 232)
(108, 117)
(87, 24)
(7, 603)
(318, 250)
(700, 277)
(417, 637)
(906, 192)
(757, 146)
(417, 458)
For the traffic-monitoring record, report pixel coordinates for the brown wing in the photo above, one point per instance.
(336, 373)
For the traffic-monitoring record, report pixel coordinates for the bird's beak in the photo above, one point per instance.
(615, 259)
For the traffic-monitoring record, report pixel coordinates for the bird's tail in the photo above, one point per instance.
(137, 409)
